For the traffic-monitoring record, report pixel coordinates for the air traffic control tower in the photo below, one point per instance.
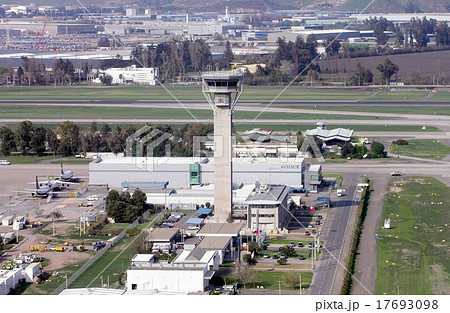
(222, 90)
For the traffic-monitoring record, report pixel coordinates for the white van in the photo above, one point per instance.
(5, 162)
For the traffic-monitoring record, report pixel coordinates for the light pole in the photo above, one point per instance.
(300, 282)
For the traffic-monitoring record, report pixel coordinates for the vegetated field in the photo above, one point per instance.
(423, 109)
(53, 282)
(423, 148)
(428, 63)
(73, 112)
(413, 256)
(170, 92)
(114, 262)
(28, 159)
(441, 96)
(270, 280)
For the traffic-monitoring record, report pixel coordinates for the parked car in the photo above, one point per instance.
(5, 162)
(265, 256)
(300, 245)
(280, 248)
(292, 244)
(166, 225)
(318, 222)
(301, 257)
(319, 217)
(275, 256)
(92, 198)
(310, 245)
(193, 227)
(283, 256)
(307, 233)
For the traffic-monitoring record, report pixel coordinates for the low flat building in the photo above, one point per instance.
(133, 75)
(220, 230)
(9, 280)
(190, 271)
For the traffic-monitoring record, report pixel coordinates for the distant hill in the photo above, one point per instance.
(384, 6)
(398, 6)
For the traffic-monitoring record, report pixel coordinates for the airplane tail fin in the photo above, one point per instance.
(37, 183)
(62, 169)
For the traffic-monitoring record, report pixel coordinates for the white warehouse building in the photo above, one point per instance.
(133, 75)
(189, 171)
(191, 271)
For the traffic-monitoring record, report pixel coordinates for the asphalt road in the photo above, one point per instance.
(334, 234)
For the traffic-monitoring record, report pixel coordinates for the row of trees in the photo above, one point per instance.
(175, 58)
(32, 72)
(68, 138)
(415, 34)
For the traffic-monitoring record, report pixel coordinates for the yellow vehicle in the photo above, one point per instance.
(59, 249)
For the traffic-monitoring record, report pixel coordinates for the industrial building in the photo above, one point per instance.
(321, 35)
(190, 271)
(132, 75)
(185, 172)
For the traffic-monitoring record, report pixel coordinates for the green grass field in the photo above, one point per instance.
(423, 148)
(72, 112)
(424, 109)
(413, 256)
(194, 93)
(50, 159)
(270, 280)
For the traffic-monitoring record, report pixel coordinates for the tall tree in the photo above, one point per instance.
(23, 136)
(38, 138)
(7, 141)
(228, 56)
(387, 69)
(332, 46)
(362, 75)
(69, 138)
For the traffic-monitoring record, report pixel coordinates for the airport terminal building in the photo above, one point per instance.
(185, 172)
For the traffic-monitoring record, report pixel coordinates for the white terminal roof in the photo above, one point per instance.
(332, 134)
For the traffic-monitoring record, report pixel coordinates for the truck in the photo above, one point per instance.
(340, 192)
(59, 249)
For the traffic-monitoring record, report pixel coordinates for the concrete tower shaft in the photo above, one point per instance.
(222, 90)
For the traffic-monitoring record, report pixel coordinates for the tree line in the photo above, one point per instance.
(34, 73)
(68, 139)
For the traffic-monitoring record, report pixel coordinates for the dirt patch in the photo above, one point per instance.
(396, 189)
(438, 280)
(61, 259)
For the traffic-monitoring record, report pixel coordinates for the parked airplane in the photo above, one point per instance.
(47, 189)
(67, 176)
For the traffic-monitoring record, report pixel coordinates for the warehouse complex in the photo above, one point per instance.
(187, 172)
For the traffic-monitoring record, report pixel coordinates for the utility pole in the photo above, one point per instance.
(300, 282)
